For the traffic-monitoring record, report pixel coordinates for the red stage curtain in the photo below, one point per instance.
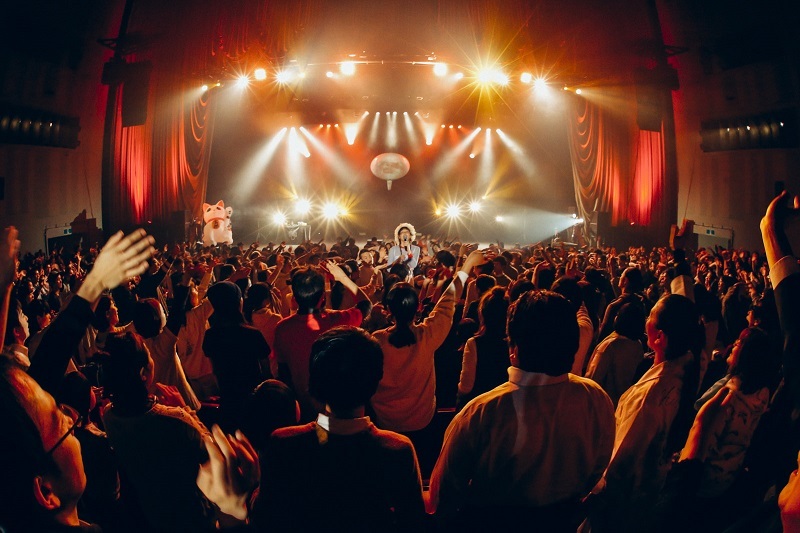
(648, 179)
(162, 166)
(616, 167)
(599, 149)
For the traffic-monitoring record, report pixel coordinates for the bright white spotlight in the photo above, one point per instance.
(577, 91)
(330, 211)
(242, 82)
(472, 156)
(348, 68)
(302, 206)
(350, 132)
(284, 76)
(578, 221)
(440, 69)
(526, 77)
(297, 144)
(453, 211)
(475, 207)
(204, 88)
(279, 219)
(539, 84)
(260, 74)
(329, 74)
(492, 75)
(499, 218)
(459, 75)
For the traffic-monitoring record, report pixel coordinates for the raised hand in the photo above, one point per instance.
(122, 258)
(231, 472)
(9, 248)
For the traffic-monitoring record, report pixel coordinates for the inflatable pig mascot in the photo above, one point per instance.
(217, 229)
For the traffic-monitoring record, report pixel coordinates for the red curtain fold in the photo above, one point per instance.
(616, 167)
(648, 179)
(599, 150)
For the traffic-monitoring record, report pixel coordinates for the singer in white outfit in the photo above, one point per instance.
(404, 251)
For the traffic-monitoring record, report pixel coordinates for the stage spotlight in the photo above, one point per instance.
(472, 156)
(442, 125)
(279, 219)
(350, 132)
(302, 206)
(284, 76)
(428, 142)
(297, 144)
(330, 211)
(475, 207)
(526, 77)
(492, 76)
(539, 84)
(348, 68)
(440, 69)
(499, 218)
(242, 82)
(329, 74)
(451, 126)
(204, 88)
(260, 74)
(577, 91)
(459, 75)
(453, 211)
(438, 212)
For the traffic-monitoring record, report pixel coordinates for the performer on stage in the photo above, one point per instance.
(404, 252)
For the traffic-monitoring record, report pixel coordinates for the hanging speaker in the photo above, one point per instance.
(135, 92)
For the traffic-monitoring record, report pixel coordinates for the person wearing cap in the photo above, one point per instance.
(404, 250)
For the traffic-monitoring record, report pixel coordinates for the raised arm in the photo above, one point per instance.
(120, 259)
(9, 247)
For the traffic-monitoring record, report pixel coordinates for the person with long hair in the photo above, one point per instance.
(406, 397)
(485, 361)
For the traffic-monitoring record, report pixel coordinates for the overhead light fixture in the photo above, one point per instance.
(348, 68)
(440, 69)
(260, 74)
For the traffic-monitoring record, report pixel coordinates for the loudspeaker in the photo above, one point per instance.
(178, 226)
(603, 223)
(648, 107)
(135, 92)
